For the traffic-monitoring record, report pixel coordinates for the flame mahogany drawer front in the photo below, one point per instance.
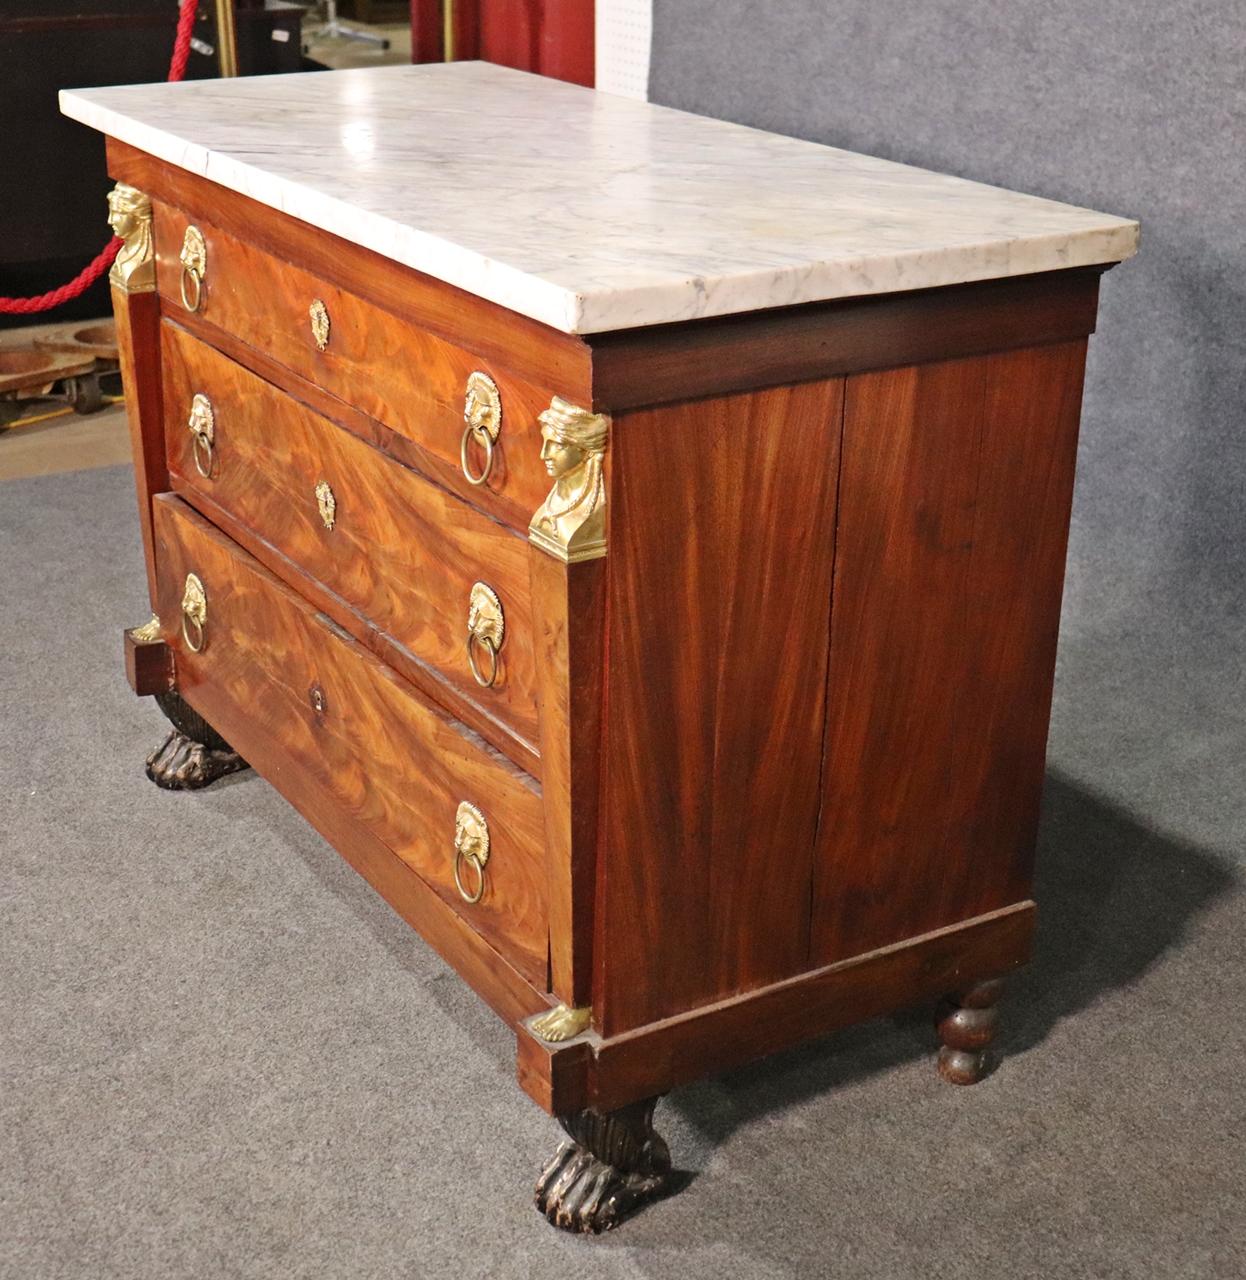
(387, 368)
(286, 685)
(419, 564)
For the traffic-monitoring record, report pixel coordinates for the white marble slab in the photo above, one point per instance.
(585, 210)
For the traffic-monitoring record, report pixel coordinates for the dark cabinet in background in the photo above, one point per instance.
(51, 217)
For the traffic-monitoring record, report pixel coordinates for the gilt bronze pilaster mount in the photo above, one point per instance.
(129, 215)
(571, 523)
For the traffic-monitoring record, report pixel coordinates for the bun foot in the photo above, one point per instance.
(966, 1024)
(194, 755)
(614, 1164)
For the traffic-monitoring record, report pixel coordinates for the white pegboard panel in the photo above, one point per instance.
(624, 34)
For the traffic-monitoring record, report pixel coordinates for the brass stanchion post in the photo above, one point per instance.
(226, 37)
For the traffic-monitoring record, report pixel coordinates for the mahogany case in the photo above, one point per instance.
(771, 617)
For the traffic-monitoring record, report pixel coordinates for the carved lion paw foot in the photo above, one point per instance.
(580, 1193)
(182, 764)
(614, 1163)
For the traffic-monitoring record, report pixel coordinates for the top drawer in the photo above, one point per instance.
(384, 366)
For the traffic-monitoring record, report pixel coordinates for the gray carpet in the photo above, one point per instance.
(222, 1055)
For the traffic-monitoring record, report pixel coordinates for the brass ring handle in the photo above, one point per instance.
(471, 846)
(202, 451)
(194, 614)
(486, 643)
(195, 645)
(194, 260)
(485, 440)
(475, 896)
(197, 281)
(482, 411)
(202, 427)
(486, 627)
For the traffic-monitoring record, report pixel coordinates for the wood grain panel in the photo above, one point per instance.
(138, 352)
(381, 365)
(402, 552)
(718, 594)
(530, 350)
(956, 485)
(388, 760)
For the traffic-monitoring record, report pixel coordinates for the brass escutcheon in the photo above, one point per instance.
(482, 412)
(486, 626)
(326, 503)
(194, 260)
(194, 614)
(471, 846)
(319, 314)
(202, 427)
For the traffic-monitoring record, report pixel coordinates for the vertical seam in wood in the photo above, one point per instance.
(814, 866)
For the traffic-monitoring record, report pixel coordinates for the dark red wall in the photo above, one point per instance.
(552, 37)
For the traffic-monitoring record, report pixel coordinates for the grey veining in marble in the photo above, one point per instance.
(584, 210)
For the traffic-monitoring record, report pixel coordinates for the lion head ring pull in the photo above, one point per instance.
(482, 412)
(202, 427)
(471, 852)
(485, 628)
(194, 260)
(194, 614)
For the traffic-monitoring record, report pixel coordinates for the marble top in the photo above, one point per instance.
(584, 210)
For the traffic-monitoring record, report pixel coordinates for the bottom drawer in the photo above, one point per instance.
(431, 790)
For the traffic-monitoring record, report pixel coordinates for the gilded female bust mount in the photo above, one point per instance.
(571, 523)
(129, 215)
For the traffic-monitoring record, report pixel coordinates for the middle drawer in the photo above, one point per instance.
(416, 563)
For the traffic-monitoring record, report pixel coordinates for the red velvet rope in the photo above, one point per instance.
(181, 42)
(103, 260)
